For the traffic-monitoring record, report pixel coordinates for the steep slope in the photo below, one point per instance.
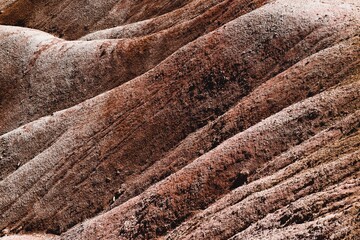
(56, 74)
(187, 120)
(71, 19)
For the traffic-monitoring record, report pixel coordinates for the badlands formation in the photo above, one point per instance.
(179, 119)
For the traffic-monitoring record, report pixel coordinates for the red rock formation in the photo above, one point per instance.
(180, 119)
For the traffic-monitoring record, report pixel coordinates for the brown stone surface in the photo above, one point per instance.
(194, 119)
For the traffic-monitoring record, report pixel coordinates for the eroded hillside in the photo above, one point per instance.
(197, 119)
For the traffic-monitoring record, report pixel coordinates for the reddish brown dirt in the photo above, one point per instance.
(180, 119)
(100, 65)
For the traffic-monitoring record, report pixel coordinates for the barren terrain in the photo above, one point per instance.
(183, 119)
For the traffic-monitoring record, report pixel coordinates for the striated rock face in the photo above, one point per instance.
(193, 119)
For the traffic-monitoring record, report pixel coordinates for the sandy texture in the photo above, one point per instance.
(180, 119)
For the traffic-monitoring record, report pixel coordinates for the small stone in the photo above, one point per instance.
(6, 231)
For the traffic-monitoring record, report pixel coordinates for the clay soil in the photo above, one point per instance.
(186, 119)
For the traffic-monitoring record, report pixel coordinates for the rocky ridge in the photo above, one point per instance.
(180, 119)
